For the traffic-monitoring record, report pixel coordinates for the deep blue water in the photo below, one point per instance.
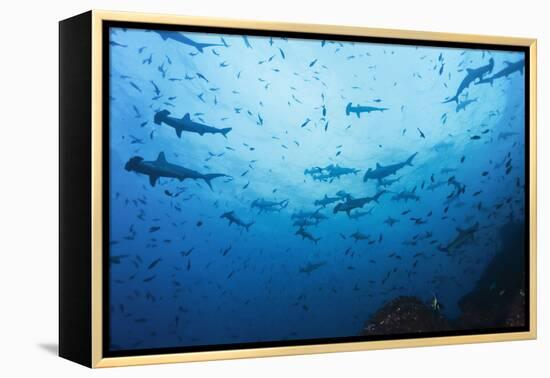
(202, 293)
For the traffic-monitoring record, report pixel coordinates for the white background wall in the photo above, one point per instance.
(28, 186)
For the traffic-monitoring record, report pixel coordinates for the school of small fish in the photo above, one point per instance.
(258, 195)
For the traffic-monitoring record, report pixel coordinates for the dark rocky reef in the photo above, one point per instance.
(405, 315)
(497, 300)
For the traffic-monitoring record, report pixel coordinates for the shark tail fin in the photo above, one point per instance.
(208, 178)
(454, 98)
(201, 46)
(225, 131)
(377, 195)
(161, 116)
(410, 159)
(366, 175)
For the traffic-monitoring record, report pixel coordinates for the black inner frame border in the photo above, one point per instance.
(107, 25)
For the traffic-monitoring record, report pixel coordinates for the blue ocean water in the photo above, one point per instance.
(183, 275)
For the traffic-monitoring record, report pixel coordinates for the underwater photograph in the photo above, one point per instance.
(289, 190)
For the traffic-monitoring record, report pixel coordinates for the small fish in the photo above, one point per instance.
(116, 44)
(134, 85)
(435, 304)
(226, 251)
(246, 42)
(201, 76)
(154, 263)
(148, 60)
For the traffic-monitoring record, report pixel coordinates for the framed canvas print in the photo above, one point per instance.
(235, 189)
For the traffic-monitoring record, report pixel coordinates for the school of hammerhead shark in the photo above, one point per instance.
(160, 167)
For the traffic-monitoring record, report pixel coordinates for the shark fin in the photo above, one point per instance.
(161, 158)
(208, 177)
(225, 131)
(410, 159)
(451, 99)
(186, 118)
(178, 131)
(153, 179)
(378, 165)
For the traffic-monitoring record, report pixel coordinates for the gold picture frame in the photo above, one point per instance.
(96, 359)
